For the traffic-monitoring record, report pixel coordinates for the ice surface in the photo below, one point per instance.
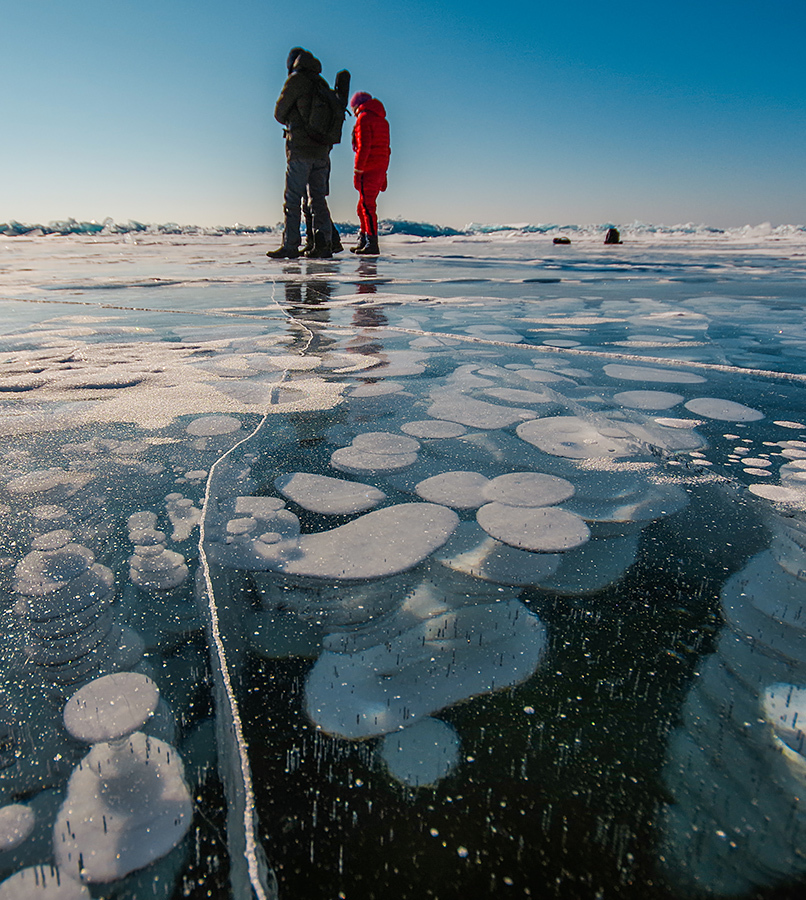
(265, 486)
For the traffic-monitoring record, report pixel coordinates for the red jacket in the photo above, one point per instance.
(371, 137)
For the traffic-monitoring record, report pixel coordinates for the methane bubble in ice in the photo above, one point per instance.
(376, 451)
(213, 426)
(253, 533)
(183, 515)
(469, 651)
(328, 496)
(734, 768)
(786, 496)
(784, 708)
(380, 389)
(648, 399)
(66, 608)
(541, 376)
(42, 883)
(517, 395)
(542, 529)
(16, 824)
(127, 802)
(574, 438)
(472, 551)
(456, 407)
(376, 545)
(433, 429)
(421, 754)
(152, 566)
(724, 410)
(528, 489)
(648, 373)
(110, 707)
(460, 490)
(49, 485)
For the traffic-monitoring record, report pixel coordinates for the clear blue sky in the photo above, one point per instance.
(535, 111)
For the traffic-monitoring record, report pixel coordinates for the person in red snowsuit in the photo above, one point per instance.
(372, 151)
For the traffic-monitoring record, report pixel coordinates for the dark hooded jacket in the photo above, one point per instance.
(294, 105)
(371, 137)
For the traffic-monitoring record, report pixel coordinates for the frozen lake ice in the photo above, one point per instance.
(475, 570)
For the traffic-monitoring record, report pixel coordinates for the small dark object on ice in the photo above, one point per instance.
(562, 240)
(612, 236)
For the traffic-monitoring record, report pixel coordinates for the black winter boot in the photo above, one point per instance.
(336, 245)
(370, 247)
(321, 248)
(362, 242)
(283, 253)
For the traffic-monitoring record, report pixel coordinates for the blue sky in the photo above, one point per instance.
(584, 112)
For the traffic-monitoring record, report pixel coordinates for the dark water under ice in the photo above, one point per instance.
(601, 691)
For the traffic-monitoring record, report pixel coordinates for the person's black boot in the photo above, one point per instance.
(336, 245)
(370, 248)
(283, 253)
(362, 242)
(320, 249)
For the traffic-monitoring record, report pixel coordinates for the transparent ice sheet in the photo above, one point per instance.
(384, 698)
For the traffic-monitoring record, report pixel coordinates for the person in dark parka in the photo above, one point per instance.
(307, 160)
(372, 152)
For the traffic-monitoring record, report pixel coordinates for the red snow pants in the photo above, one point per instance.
(369, 185)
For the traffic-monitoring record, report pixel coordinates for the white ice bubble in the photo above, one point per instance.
(648, 373)
(528, 489)
(542, 376)
(384, 442)
(356, 461)
(455, 407)
(472, 551)
(421, 754)
(16, 823)
(433, 429)
(379, 389)
(723, 410)
(329, 496)
(449, 657)
(517, 395)
(376, 545)
(213, 426)
(459, 490)
(784, 707)
(574, 438)
(110, 707)
(126, 806)
(787, 496)
(648, 399)
(542, 529)
(678, 423)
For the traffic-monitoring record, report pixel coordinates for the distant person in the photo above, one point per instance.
(372, 151)
(313, 116)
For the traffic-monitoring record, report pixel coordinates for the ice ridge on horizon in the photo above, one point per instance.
(109, 226)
